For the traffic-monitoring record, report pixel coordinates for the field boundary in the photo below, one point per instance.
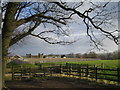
(69, 70)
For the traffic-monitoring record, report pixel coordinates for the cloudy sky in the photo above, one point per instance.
(77, 31)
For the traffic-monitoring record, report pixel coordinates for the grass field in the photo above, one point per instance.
(106, 63)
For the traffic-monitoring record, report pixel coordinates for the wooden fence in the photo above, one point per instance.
(74, 70)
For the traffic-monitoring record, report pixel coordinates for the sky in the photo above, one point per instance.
(77, 32)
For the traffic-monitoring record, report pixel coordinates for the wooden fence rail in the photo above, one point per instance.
(68, 69)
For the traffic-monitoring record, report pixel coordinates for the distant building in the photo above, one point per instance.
(40, 55)
(28, 55)
(43, 56)
(52, 56)
(17, 57)
(34, 56)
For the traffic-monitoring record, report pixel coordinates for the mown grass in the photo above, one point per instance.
(107, 63)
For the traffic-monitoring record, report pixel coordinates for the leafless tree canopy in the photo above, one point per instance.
(30, 15)
(102, 17)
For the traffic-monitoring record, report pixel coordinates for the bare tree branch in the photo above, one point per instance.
(21, 7)
(82, 15)
(35, 17)
(51, 40)
(21, 36)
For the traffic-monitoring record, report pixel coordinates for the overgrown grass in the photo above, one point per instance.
(22, 65)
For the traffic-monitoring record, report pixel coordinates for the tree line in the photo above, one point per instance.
(102, 56)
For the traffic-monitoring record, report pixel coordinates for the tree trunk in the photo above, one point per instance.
(8, 27)
(3, 71)
(5, 47)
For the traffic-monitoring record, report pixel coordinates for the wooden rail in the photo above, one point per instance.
(67, 69)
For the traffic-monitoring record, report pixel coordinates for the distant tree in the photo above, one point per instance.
(118, 54)
(78, 55)
(71, 55)
(85, 55)
(115, 55)
(92, 55)
(109, 56)
(44, 56)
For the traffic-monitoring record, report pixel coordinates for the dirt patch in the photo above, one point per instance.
(55, 82)
(46, 60)
(45, 84)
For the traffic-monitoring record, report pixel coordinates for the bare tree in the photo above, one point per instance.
(21, 19)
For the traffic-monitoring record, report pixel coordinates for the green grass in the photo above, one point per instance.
(28, 65)
(107, 63)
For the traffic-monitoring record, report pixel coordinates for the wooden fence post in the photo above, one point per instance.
(70, 69)
(102, 65)
(12, 72)
(87, 71)
(40, 66)
(118, 75)
(81, 67)
(79, 71)
(67, 68)
(44, 71)
(21, 72)
(50, 71)
(29, 72)
(96, 73)
(60, 69)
